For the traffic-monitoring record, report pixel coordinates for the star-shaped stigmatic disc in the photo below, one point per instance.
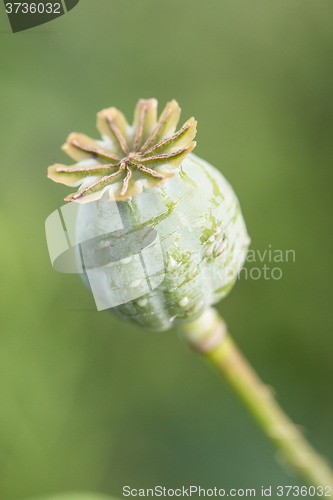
(129, 158)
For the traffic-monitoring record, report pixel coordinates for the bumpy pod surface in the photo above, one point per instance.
(203, 239)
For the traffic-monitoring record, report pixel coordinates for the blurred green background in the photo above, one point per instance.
(87, 401)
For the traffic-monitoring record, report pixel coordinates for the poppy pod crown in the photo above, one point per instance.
(129, 157)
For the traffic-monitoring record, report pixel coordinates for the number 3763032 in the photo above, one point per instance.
(33, 8)
(319, 491)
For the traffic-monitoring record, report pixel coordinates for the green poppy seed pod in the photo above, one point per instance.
(190, 239)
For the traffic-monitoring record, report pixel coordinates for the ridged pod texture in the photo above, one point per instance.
(203, 239)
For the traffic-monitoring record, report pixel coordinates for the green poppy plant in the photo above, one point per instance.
(181, 225)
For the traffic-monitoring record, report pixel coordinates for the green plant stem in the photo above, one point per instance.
(208, 335)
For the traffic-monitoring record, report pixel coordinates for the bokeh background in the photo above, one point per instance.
(87, 401)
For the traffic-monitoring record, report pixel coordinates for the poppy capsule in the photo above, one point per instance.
(161, 230)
